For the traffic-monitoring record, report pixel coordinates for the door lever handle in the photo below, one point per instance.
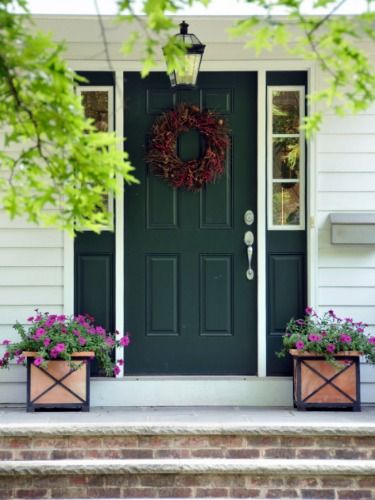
(249, 240)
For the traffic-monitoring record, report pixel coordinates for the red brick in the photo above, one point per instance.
(33, 455)
(122, 480)
(207, 453)
(212, 492)
(262, 481)
(296, 442)
(6, 455)
(19, 442)
(50, 481)
(106, 492)
(263, 441)
(158, 480)
(136, 453)
(301, 482)
(6, 494)
(180, 453)
(226, 441)
(69, 493)
(279, 453)
(319, 493)
(313, 453)
(31, 493)
(351, 454)
(139, 493)
(334, 442)
(242, 453)
(79, 480)
(244, 493)
(120, 442)
(334, 482)
(175, 492)
(349, 494)
(367, 482)
(84, 442)
(364, 441)
(193, 442)
(282, 493)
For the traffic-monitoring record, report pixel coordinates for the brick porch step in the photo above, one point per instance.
(176, 478)
(189, 459)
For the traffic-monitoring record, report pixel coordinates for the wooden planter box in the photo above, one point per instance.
(59, 386)
(318, 384)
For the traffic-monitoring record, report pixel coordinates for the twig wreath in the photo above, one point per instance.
(162, 154)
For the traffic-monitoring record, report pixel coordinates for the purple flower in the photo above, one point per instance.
(300, 322)
(314, 337)
(346, 339)
(92, 331)
(371, 340)
(54, 353)
(360, 330)
(60, 347)
(331, 348)
(61, 318)
(38, 361)
(349, 320)
(309, 311)
(30, 319)
(125, 341)
(120, 362)
(46, 341)
(6, 342)
(331, 313)
(100, 330)
(20, 360)
(82, 341)
(39, 332)
(116, 370)
(76, 332)
(324, 333)
(109, 341)
(300, 345)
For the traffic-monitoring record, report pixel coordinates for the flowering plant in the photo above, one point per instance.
(53, 336)
(327, 335)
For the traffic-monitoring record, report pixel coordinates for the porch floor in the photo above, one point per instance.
(194, 419)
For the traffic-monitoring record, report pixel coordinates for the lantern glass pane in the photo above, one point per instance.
(188, 75)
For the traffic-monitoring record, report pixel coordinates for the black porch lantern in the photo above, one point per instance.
(187, 78)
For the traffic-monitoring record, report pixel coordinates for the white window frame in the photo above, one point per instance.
(302, 162)
(111, 128)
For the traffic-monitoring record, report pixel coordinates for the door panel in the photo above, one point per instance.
(188, 303)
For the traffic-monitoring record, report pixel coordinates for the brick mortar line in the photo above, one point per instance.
(130, 429)
(291, 467)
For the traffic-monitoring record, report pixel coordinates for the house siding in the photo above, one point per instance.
(32, 258)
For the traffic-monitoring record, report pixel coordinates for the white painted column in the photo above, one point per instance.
(119, 228)
(261, 224)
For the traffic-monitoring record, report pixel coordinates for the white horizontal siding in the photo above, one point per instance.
(346, 183)
(41, 238)
(30, 257)
(30, 276)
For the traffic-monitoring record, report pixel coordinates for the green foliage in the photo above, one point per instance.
(53, 157)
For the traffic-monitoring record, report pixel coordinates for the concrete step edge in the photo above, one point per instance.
(190, 466)
(49, 429)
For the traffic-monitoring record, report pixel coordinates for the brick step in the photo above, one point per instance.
(152, 441)
(188, 478)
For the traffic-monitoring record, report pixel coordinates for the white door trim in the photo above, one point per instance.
(261, 67)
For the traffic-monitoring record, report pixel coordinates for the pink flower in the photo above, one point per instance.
(309, 311)
(300, 345)
(54, 353)
(82, 341)
(371, 340)
(76, 332)
(346, 339)
(125, 341)
(116, 370)
(46, 341)
(331, 347)
(60, 347)
(61, 318)
(63, 330)
(120, 362)
(109, 341)
(38, 361)
(39, 332)
(20, 360)
(92, 331)
(30, 319)
(360, 330)
(100, 330)
(331, 312)
(300, 322)
(6, 342)
(314, 337)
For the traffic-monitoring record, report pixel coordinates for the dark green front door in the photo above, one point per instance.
(188, 303)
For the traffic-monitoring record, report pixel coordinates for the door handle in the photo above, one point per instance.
(249, 240)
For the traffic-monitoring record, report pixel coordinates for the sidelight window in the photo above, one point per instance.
(286, 158)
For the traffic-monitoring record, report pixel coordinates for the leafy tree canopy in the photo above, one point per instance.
(55, 158)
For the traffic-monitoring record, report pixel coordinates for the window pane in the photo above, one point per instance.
(285, 112)
(95, 104)
(285, 204)
(286, 158)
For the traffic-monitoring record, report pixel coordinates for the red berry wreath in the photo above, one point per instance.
(162, 155)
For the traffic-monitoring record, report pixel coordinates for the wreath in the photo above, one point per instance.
(162, 154)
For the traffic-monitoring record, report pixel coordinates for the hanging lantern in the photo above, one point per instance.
(186, 78)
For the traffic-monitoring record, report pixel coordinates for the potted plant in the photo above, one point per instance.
(326, 351)
(57, 350)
